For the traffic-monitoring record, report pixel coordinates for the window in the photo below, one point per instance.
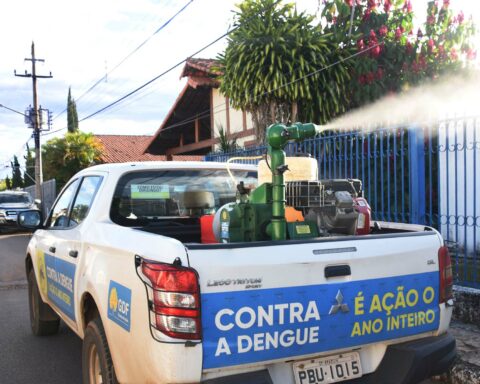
(59, 215)
(8, 198)
(147, 197)
(84, 199)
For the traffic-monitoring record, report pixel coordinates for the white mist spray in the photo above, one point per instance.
(451, 95)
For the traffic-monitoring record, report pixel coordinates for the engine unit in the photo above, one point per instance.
(328, 203)
(324, 207)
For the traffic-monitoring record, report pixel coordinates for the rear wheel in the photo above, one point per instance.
(43, 320)
(97, 365)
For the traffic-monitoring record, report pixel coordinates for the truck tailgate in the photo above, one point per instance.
(263, 302)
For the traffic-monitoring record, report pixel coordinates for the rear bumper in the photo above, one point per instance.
(413, 361)
(406, 363)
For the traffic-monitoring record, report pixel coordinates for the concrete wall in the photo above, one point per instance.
(467, 305)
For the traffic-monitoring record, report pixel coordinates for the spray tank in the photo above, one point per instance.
(300, 209)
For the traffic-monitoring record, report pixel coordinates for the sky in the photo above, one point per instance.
(84, 41)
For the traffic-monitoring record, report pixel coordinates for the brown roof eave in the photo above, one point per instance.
(203, 65)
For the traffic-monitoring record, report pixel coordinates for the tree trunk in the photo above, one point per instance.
(294, 112)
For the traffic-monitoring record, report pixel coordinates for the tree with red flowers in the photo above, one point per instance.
(391, 56)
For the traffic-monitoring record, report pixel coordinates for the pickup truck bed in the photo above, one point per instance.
(266, 302)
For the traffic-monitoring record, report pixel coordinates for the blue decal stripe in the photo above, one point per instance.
(61, 284)
(266, 324)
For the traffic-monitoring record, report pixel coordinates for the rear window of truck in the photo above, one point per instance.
(144, 198)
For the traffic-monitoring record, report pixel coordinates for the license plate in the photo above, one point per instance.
(331, 369)
(11, 212)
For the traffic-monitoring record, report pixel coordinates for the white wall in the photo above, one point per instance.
(235, 118)
(219, 112)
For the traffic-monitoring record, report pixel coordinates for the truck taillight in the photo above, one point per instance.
(176, 305)
(446, 276)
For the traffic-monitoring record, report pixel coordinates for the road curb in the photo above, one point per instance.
(466, 369)
(17, 284)
(467, 305)
(461, 373)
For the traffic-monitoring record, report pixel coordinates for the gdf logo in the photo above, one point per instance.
(117, 304)
(113, 301)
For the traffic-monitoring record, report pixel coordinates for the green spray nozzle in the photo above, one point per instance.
(278, 135)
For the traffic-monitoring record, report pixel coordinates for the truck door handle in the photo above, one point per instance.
(337, 270)
(52, 249)
(73, 253)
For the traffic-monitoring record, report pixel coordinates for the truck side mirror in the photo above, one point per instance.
(31, 219)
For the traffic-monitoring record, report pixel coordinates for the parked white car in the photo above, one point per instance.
(122, 261)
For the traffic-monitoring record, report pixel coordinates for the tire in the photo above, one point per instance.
(43, 320)
(97, 364)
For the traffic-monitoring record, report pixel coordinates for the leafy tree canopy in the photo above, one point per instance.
(225, 145)
(270, 66)
(391, 55)
(3, 184)
(65, 156)
(280, 66)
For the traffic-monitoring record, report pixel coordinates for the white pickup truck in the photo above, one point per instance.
(124, 261)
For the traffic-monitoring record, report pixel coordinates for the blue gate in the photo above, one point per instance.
(421, 174)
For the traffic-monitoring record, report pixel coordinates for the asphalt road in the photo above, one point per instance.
(24, 357)
(12, 257)
(29, 359)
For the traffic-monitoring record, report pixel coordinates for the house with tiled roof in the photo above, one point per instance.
(125, 148)
(191, 126)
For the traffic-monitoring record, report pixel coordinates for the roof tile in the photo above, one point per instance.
(126, 148)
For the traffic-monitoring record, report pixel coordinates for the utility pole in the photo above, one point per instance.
(36, 122)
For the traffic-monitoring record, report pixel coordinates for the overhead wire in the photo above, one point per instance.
(206, 112)
(135, 50)
(170, 69)
(12, 110)
(21, 149)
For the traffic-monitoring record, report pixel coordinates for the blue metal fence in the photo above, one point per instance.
(424, 175)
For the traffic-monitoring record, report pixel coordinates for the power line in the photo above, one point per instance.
(17, 153)
(206, 112)
(13, 110)
(171, 68)
(152, 80)
(131, 53)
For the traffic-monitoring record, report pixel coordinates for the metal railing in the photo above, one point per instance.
(425, 175)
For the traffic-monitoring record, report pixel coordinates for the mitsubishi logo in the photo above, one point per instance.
(340, 306)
